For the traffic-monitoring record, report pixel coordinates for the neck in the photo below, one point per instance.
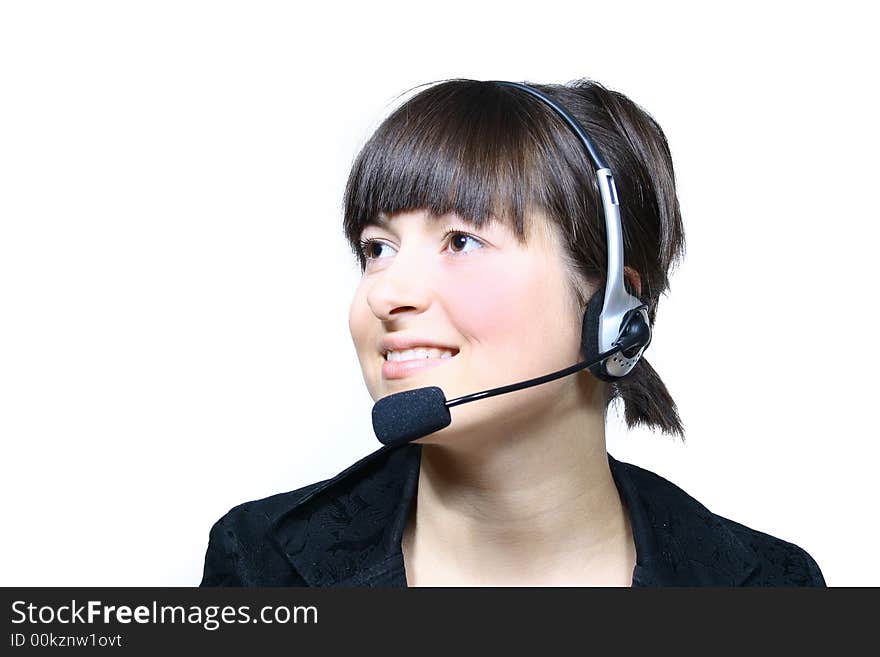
(529, 501)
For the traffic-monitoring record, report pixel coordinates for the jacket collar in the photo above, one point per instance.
(346, 531)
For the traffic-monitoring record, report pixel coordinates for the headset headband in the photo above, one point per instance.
(617, 302)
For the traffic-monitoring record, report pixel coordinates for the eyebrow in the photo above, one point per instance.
(378, 220)
(381, 221)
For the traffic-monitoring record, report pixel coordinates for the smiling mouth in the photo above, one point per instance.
(399, 369)
(407, 355)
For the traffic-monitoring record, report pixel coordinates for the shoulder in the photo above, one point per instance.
(782, 562)
(239, 553)
(263, 542)
(255, 516)
(686, 530)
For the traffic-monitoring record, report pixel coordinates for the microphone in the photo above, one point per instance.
(411, 414)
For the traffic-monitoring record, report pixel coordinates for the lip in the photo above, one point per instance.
(399, 369)
(401, 342)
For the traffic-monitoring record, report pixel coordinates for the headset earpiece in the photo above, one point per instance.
(634, 334)
(590, 332)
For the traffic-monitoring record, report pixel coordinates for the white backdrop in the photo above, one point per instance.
(174, 283)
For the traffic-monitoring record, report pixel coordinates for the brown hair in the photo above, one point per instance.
(483, 150)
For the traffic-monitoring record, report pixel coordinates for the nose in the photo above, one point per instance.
(401, 287)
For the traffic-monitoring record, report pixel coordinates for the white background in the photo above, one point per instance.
(174, 282)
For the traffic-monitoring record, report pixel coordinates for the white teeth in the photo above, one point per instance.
(420, 352)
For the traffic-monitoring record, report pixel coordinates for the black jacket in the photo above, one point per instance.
(346, 531)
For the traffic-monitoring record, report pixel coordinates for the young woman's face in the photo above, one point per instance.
(504, 309)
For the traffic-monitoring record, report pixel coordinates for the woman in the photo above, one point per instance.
(477, 221)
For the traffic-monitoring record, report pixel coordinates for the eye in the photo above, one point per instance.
(367, 248)
(458, 242)
(460, 239)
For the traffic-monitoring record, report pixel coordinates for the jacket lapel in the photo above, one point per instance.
(347, 531)
(679, 542)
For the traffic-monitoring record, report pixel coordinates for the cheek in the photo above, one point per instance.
(359, 320)
(510, 308)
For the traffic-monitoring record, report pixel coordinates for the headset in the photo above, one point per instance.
(614, 334)
(605, 324)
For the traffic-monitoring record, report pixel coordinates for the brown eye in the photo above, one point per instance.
(371, 248)
(459, 241)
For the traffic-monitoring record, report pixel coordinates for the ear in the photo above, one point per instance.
(632, 278)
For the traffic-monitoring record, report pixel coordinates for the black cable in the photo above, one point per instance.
(536, 380)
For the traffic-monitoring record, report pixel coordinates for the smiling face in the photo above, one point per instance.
(505, 309)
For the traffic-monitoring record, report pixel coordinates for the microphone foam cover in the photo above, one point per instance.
(410, 414)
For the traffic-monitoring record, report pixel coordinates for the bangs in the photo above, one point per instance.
(469, 148)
